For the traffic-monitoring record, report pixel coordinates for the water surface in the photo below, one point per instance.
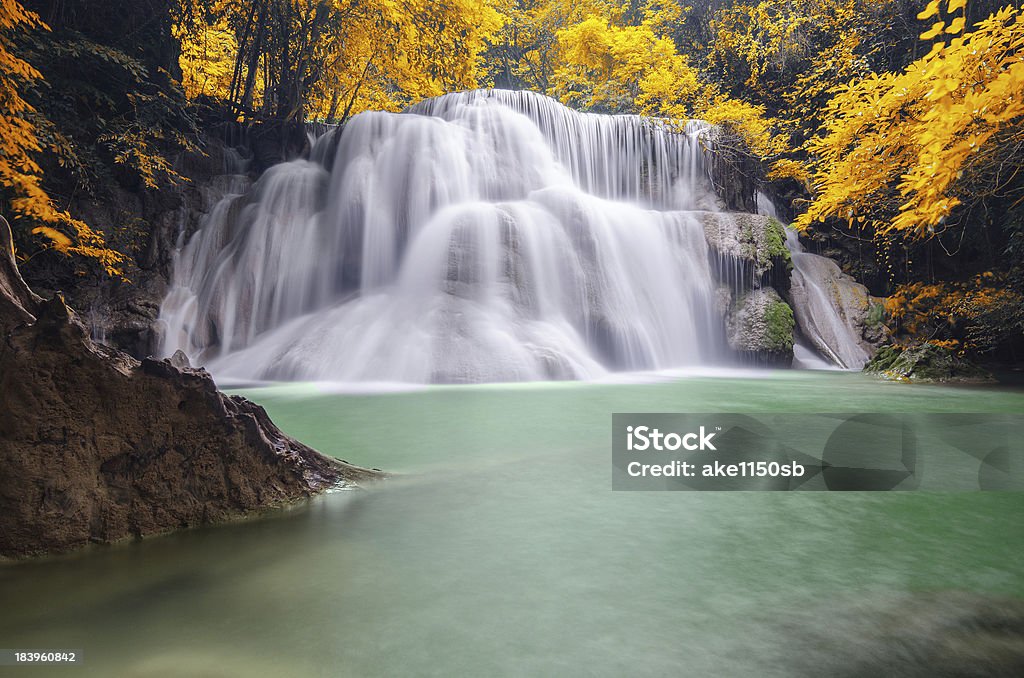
(500, 550)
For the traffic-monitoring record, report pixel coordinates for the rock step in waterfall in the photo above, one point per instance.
(483, 236)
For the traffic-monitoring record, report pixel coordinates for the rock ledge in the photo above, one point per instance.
(96, 446)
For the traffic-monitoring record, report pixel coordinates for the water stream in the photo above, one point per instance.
(830, 304)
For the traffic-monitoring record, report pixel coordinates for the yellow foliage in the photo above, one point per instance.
(207, 59)
(622, 68)
(60, 241)
(761, 37)
(962, 316)
(20, 174)
(373, 54)
(897, 146)
(749, 122)
(791, 55)
(633, 68)
(789, 169)
(525, 49)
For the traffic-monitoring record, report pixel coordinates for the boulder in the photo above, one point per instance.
(759, 327)
(97, 446)
(925, 362)
(749, 250)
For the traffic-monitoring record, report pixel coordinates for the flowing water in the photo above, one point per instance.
(481, 236)
(829, 306)
(502, 551)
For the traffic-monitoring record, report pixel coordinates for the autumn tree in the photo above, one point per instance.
(208, 57)
(524, 54)
(627, 62)
(20, 144)
(317, 59)
(925, 163)
(907, 153)
(19, 172)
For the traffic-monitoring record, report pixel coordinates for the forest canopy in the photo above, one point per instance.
(887, 131)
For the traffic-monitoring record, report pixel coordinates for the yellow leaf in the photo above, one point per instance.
(956, 26)
(60, 241)
(931, 10)
(936, 29)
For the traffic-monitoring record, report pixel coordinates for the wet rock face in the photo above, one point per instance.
(835, 312)
(96, 446)
(145, 225)
(752, 243)
(925, 362)
(751, 263)
(760, 328)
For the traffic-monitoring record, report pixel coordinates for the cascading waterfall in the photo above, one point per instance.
(805, 356)
(826, 304)
(481, 236)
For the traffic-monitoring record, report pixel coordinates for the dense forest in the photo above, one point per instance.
(891, 133)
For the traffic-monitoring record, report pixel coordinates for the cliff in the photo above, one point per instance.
(96, 446)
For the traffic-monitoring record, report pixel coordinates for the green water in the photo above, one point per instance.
(502, 551)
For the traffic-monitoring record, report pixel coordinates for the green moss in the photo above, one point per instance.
(875, 315)
(775, 240)
(779, 318)
(924, 362)
(769, 244)
(883, 359)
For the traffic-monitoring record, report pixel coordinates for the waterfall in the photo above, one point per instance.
(829, 307)
(481, 236)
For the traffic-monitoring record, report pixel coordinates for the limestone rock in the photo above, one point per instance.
(833, 311)
(925, 362)
(760, 327)
(759, 242)
(96, 446)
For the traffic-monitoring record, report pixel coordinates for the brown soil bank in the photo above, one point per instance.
(96, 446)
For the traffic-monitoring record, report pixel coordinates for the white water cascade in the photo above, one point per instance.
(827, 305)
(481, 236)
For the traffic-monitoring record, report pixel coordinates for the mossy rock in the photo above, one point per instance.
(774, 240)
(780, 322)
(757, 240)
(760, 326)
(925, 362)
(883, 359)
(764, 241)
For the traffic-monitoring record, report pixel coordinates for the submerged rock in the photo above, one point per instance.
(96, 446)
(925, 362)
(760, 327)
(947, 634)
